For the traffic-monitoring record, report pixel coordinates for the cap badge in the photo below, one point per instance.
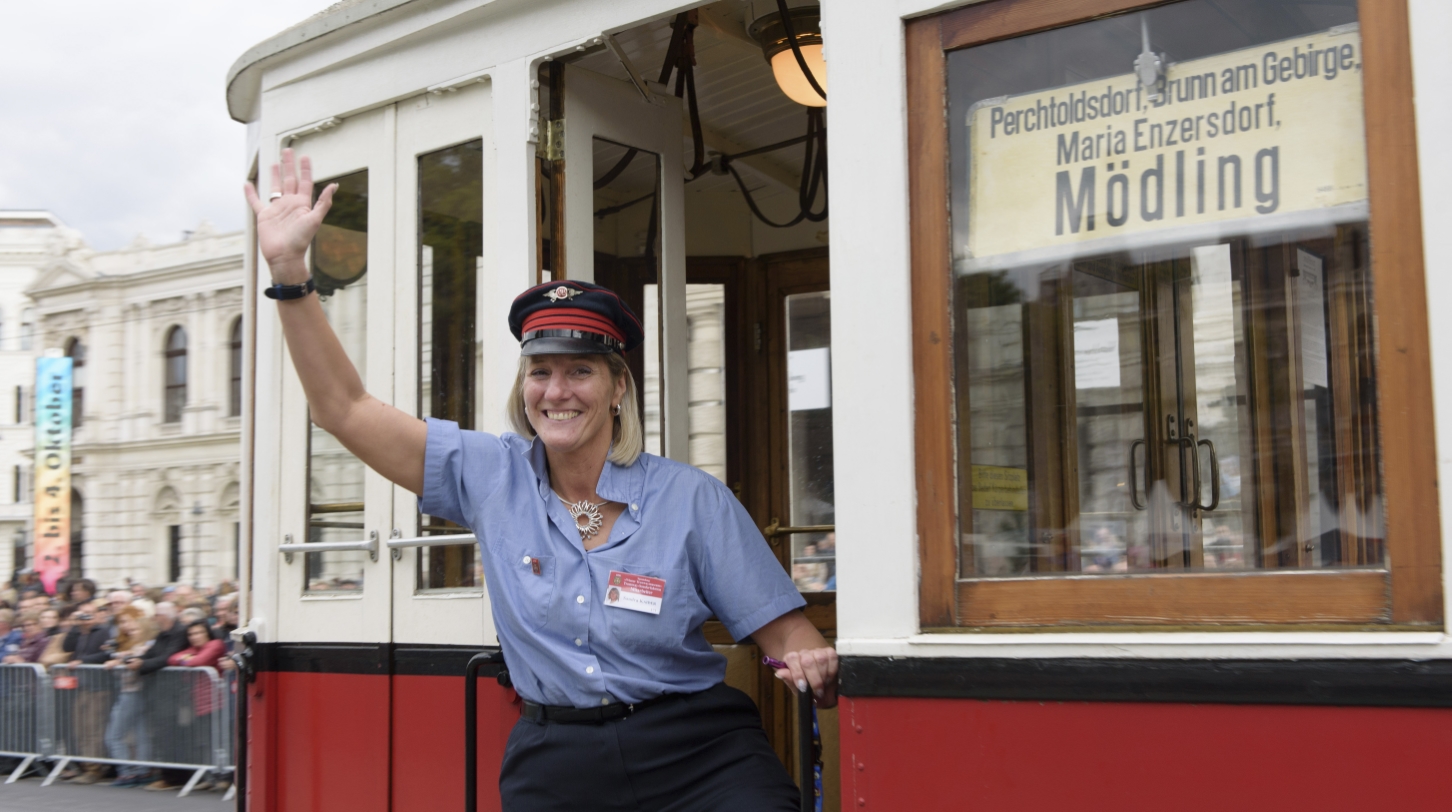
(564, 293)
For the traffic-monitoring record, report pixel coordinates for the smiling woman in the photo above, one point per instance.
(602, 562)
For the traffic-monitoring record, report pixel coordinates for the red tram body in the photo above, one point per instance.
(1099, 433)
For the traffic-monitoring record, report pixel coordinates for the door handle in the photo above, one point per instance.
(1134, 477)
(1214, 477)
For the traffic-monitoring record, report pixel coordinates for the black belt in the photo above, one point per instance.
(564, 714)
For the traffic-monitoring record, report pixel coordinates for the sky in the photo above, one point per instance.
(113, 114)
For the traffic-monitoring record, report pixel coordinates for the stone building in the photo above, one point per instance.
(29, 240)
(156, 334)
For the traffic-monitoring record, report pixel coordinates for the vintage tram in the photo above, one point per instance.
(1098, 429)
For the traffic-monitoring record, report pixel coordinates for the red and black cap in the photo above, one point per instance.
(573, 318)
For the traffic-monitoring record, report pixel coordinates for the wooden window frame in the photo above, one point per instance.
(1405, 595)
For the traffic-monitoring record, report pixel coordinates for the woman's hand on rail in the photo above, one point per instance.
(286, 225)
(817, 669)
(811, 663)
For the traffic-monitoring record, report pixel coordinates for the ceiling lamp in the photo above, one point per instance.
(776, 37)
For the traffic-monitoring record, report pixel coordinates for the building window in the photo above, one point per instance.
(1162, 365)
(76, 351)
(78, 534)
(176, 374)
(234, 363)
(16, 497)
(173, 553)
(27, 328)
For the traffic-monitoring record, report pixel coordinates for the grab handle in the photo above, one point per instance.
(1214, 477)
(1134, 478)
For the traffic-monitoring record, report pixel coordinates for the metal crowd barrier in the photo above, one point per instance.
(27, 715)
(176, 718)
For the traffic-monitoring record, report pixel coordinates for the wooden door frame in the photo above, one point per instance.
(1408, 594)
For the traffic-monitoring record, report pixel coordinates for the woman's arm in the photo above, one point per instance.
(384, 438)
(811, 663)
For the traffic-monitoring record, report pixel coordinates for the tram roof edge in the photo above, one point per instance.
(243, 82)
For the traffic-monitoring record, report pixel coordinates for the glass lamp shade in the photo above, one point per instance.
(789, 74)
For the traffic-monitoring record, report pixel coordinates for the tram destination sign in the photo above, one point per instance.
(1263, 133)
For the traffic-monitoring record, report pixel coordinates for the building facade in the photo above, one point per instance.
(155, 333)
(29, 241)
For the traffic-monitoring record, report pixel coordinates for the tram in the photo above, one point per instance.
(1091, 409)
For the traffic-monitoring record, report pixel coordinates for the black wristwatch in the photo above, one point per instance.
(285, 292)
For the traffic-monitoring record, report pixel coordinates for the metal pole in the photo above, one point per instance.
(471, 729)
(806, 752)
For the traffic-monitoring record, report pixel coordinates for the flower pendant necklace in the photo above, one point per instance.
(586, 515)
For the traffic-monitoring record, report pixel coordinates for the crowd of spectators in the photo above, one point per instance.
(136, 631)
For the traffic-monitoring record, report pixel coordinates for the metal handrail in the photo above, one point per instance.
(776, 529)
(368, 545)
(456, 540)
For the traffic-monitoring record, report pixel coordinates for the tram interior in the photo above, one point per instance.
(739, 109)
(757, 295)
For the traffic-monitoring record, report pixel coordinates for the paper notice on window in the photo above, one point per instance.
(1096, 354)
(809, 379)
(1310, 289)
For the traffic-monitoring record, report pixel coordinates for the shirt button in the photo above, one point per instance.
(634, 506)
(604, 700)
(526, 559)
(589, 669)
(577, 642)
(579, 599)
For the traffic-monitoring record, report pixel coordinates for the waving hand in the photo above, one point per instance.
(287, 222)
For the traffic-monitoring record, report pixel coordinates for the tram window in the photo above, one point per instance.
(450, 242)
(627, 260)
(1162, 300)
(809, 438)
(339, 261)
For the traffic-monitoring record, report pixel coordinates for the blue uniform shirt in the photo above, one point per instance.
(562, 644)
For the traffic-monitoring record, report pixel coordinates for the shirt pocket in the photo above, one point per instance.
(530, 581)
(666, 630)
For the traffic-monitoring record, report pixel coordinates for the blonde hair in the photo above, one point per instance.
(145, 629)
(627, 437)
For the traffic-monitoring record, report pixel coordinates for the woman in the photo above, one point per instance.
(80, 591)
(127, 738)
(202, 651)
(625, 699)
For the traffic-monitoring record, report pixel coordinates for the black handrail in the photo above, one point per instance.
(471, 730)
(245, 675)
(471, 720)
(806, 752)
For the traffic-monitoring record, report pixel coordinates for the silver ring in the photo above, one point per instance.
(273, 196)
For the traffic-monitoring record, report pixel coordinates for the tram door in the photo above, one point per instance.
(329, 498)
(440, 609)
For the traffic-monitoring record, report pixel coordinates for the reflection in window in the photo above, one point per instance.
(706, 353)
(451, 240)
(809, 438)
(1162, 303)
(175, 394)
(339, 260)
(627, 260)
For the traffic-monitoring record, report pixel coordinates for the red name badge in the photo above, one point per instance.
(639, 593)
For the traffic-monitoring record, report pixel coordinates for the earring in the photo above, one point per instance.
(615, 410)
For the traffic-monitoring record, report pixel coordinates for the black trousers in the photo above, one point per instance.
(691, 753)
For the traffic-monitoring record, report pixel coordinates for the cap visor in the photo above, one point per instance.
(559, 345)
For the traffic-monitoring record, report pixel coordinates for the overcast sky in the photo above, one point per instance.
(113, 113)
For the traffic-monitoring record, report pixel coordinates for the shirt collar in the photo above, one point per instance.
(617, 483)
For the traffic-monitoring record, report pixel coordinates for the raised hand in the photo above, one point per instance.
(287, 222)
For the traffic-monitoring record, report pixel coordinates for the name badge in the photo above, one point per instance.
(639, 593)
